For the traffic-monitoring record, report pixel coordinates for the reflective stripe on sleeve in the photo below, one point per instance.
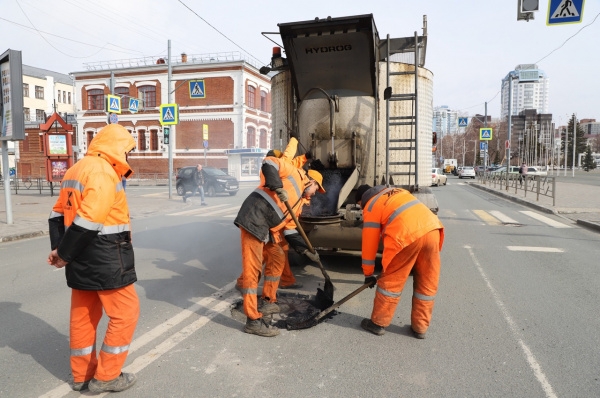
(269, 278)
(114, 229)
(92, 226)
(423, 297)
(114, 350)
(290, 232)
(54, 214)
(72, 184)
(388, 293)
(296, 187)
(371, 225)
(79, 352)
(271, 201)
(368, 262)
(271, 163)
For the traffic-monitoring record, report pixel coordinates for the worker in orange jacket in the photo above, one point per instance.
(261, 219)
(287, 279)
(90, 235)
(412, 239)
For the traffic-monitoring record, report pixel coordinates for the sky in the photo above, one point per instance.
(472, 44)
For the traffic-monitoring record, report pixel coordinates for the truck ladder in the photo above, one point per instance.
(402, 149)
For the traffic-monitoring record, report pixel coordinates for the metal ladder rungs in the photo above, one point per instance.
(397, 148)
(396, 140)
(402, 173)
(402, 73)
(402, 163)
(402, 97)
(401, 117)
(402, 123)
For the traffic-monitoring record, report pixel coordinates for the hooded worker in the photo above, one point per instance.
(90, 234)
(412, 239)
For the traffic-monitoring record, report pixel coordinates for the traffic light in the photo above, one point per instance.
(166, 131)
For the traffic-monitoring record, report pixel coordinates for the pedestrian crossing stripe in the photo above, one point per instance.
(564, 11)
(169, 114)
(197, 89)
(113, 103)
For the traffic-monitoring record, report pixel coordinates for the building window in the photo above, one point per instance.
(263, 102)
(154, 140)
(25, 90)
(89, 137)
(263, 139)
(250, 166)
(39, 92)
(95, 99)
(64, 97)
(39, 115)
(27, 114)
(69, 97)
(142, 140)
(58, 99)
(123, 92)
(250, 95)
(148, 96)
(251, 137)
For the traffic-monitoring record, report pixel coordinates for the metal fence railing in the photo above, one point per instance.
(534, 184)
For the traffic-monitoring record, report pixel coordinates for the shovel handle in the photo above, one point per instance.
(342, 301)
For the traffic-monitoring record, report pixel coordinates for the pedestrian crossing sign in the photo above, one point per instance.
(134, 105)
(463, 121)
(113, 104)
(562, 12)
(485, 133)
(169, 114)
(197, 89)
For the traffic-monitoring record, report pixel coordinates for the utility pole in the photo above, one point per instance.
(574, 141)
(510, 86)
(566, 146)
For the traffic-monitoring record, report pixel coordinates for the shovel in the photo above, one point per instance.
(328, 287)
(309, 323)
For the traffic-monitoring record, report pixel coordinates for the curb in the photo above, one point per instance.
(588, 224)
(25, 235)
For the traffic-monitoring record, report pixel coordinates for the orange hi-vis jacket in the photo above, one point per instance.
(398, 217)
(89, 224)
(262, 214)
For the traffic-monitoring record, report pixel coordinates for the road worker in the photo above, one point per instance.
(261, 219)
(90, 235)
(412, 239)
(287, 280)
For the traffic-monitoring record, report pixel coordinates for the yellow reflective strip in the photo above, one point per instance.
(92, 226)
(114, 350)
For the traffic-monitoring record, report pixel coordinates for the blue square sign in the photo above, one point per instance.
(564, 12)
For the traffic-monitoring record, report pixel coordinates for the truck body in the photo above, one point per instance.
(450, 165)
(362, 106)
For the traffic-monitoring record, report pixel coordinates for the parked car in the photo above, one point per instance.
(479, 169)
(215, 181)
(534, 171)
(437, 177)
(466, 172)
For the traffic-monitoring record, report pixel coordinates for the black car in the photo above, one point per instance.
(215, 181)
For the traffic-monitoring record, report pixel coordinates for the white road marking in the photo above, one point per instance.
(545, 220)
(212, 213)
(194, 211)
(533, 363)
(535, 249)
(503, 217)
(146, 359)
(486, 217)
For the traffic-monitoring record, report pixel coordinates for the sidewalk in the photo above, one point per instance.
(577, 202)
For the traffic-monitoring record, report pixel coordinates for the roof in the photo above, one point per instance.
(43, 73)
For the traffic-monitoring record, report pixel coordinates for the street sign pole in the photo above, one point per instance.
(172, 131)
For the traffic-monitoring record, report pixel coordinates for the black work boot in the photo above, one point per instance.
(418, 335)
(80, 386)
(369, 326)
(121, 383)
(260, 328)
(267, 308)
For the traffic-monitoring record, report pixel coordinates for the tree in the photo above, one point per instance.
(581, 146)
(588, 160)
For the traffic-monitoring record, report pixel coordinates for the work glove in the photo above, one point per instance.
(308, 155)
(372, 280)
(314, 257)
(281, 194)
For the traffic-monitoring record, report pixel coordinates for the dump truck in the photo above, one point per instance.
(362, 106)
(450, 165)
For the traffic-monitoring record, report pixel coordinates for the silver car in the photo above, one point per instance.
(466, 172)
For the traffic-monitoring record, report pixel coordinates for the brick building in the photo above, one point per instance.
(223, 93)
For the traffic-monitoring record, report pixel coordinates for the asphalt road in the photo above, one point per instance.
(514, 316)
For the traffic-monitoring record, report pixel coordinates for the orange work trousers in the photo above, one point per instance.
(423, 258)
(253, 253)
(287, 276)
(122, 307)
